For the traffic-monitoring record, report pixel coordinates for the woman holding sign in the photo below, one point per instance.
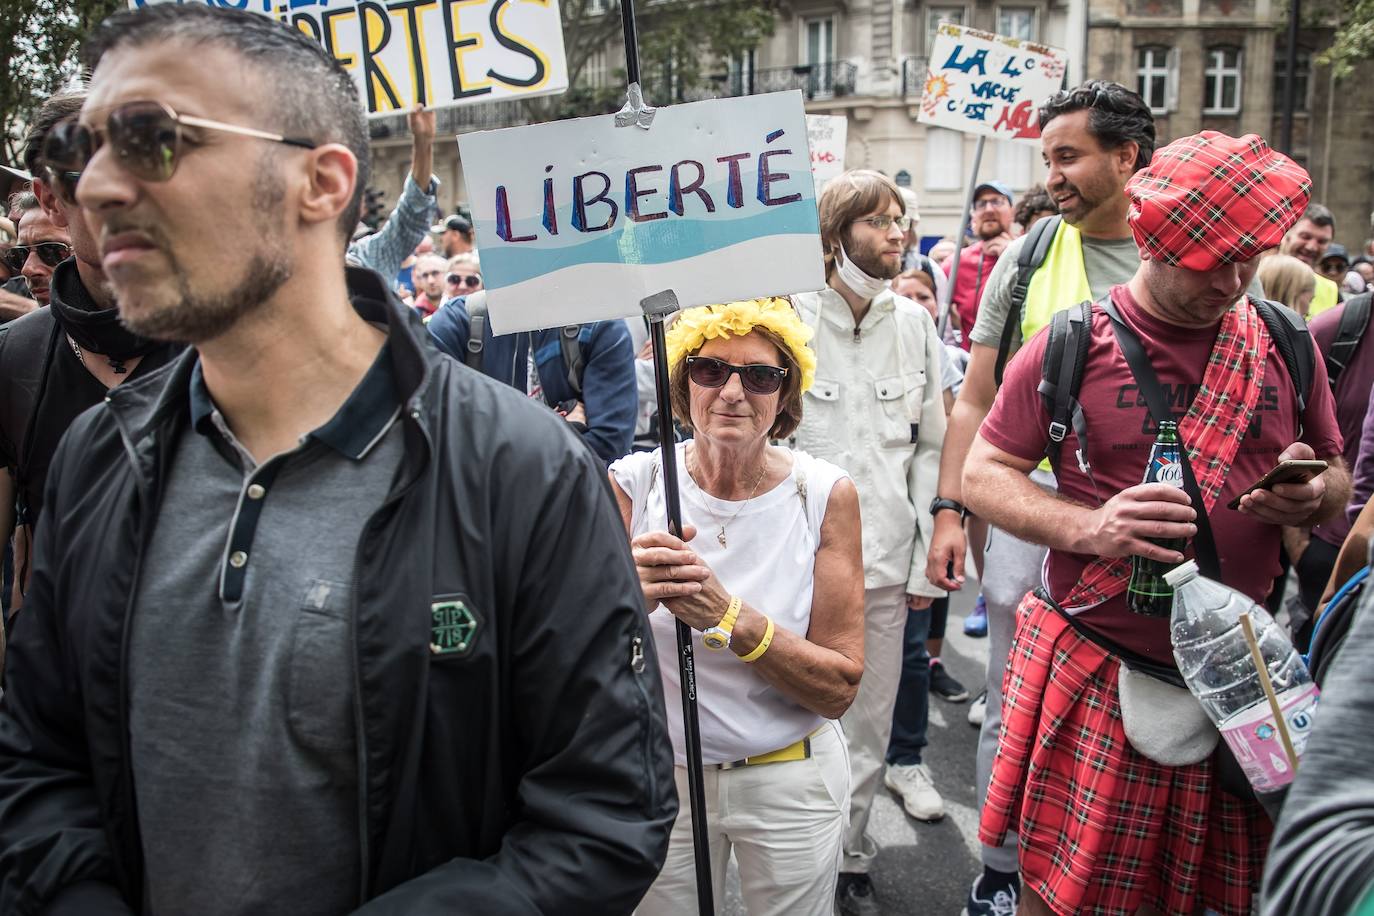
(769, 574)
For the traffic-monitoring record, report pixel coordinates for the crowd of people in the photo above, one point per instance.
(321, 597)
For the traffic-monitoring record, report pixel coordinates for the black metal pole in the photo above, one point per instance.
(686, 663)
(1290, 84)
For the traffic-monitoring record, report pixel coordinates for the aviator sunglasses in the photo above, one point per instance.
(148, 138)
(712, 373)
(50, 253)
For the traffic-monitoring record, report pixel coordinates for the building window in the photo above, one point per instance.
(1221, 91)
(1014, 164)
(1302, 88)
(1017, 22)
(944, 159)
(740, 69)
(818, 52)
(594, 71)
(1156, 73)
(935, 15)
(596, 7)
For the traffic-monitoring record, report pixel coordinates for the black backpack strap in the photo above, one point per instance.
(1033, 252)
(476, 305)
(1061, 371)
(1289, 332)
(571, 347)
(1354, 320)
(1204, 544)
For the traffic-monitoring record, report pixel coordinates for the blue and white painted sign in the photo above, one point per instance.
(580, 220)
(988, 84)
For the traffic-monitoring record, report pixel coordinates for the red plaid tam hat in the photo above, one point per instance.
(1210, 199)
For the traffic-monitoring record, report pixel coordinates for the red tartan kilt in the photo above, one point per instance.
(1102, 828)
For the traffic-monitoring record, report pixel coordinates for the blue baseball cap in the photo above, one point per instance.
(994, 185)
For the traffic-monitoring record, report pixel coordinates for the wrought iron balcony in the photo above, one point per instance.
(914, 77)
(816, 81)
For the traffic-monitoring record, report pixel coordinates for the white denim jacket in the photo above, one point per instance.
(876, 410)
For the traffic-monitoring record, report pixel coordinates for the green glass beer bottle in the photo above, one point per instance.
(1148, 593)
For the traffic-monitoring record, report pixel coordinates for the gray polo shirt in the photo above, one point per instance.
(241, 703)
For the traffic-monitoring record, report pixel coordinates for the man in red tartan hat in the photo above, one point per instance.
(1103, 827)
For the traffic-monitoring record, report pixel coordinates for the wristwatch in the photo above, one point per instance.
(718, 636)
(940, 502)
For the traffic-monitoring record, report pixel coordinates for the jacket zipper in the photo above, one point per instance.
(364, 844)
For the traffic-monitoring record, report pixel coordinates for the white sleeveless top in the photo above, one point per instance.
(769, 563)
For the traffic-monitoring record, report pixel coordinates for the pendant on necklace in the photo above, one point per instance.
(721, 536)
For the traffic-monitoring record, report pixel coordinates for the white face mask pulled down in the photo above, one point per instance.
(854, 277)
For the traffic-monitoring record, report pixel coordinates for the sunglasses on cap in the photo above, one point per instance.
(713, 373)
(147, 137)
(50, 253)
(471, 281)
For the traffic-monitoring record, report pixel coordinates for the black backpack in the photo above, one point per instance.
(1350, 330)
(1033, 252)
(569, 341)
(1070, 331)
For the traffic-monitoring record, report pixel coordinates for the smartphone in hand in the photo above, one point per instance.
(1291, 471)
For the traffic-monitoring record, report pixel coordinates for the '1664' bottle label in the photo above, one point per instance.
(1148, 593)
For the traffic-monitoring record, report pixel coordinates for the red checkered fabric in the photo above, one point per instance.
(1210, 199)
(1102, 828)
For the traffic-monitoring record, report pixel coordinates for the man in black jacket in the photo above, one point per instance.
(320, 620)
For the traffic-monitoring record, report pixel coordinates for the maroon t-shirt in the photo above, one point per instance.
(1352, 402)
(1120, 433)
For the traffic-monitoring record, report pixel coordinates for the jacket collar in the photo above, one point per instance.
(142, 406)
(836, 312)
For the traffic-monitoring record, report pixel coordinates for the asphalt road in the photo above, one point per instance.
(927, 869)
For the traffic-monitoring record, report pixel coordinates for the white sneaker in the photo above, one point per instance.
(913, 785)
(978, 710)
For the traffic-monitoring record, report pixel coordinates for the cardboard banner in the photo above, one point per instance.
(981, 83)
(433, 52)
(581, 220)
(826, 135)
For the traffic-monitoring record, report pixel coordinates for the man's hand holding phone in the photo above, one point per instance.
(1289, 494)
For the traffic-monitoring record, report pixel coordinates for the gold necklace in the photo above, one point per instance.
(720, 535)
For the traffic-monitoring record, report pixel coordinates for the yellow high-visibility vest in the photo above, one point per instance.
(1327, 296)
(1060, 282)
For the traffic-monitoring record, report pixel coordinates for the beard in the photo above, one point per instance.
(870, 261)
(192, 316)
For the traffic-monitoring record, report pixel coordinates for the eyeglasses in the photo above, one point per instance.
(712, 373)
(884, 222)
(987, 203)
(471, 281)
(148, 137)
(50, 253)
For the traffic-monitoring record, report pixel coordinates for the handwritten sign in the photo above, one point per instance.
(826, 134)
(580, 220)
(988, 84)
(432, 52)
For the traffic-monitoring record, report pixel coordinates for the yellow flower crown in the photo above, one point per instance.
(695, 326)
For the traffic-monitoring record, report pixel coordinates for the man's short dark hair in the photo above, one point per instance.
(1036, 200)
(312, 96)
(1318, 215)
(58, 107)
(1116, 115)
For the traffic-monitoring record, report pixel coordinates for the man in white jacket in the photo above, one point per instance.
(876, 410)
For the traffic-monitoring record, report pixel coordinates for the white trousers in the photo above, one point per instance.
(868, 722)
(784, 822)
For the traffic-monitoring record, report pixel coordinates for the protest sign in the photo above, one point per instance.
(826, 134)
(981, 83)
(437, 53)
(581, 220)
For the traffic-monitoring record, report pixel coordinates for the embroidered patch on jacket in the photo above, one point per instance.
(452, 628)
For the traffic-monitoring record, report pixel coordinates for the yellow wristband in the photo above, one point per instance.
(763, 645)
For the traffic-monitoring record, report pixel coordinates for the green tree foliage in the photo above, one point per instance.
(40, 40)
(1354, 39)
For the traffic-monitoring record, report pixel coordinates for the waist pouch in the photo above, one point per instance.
(1161, 717)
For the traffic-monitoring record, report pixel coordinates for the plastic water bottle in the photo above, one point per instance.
(1215, 661)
